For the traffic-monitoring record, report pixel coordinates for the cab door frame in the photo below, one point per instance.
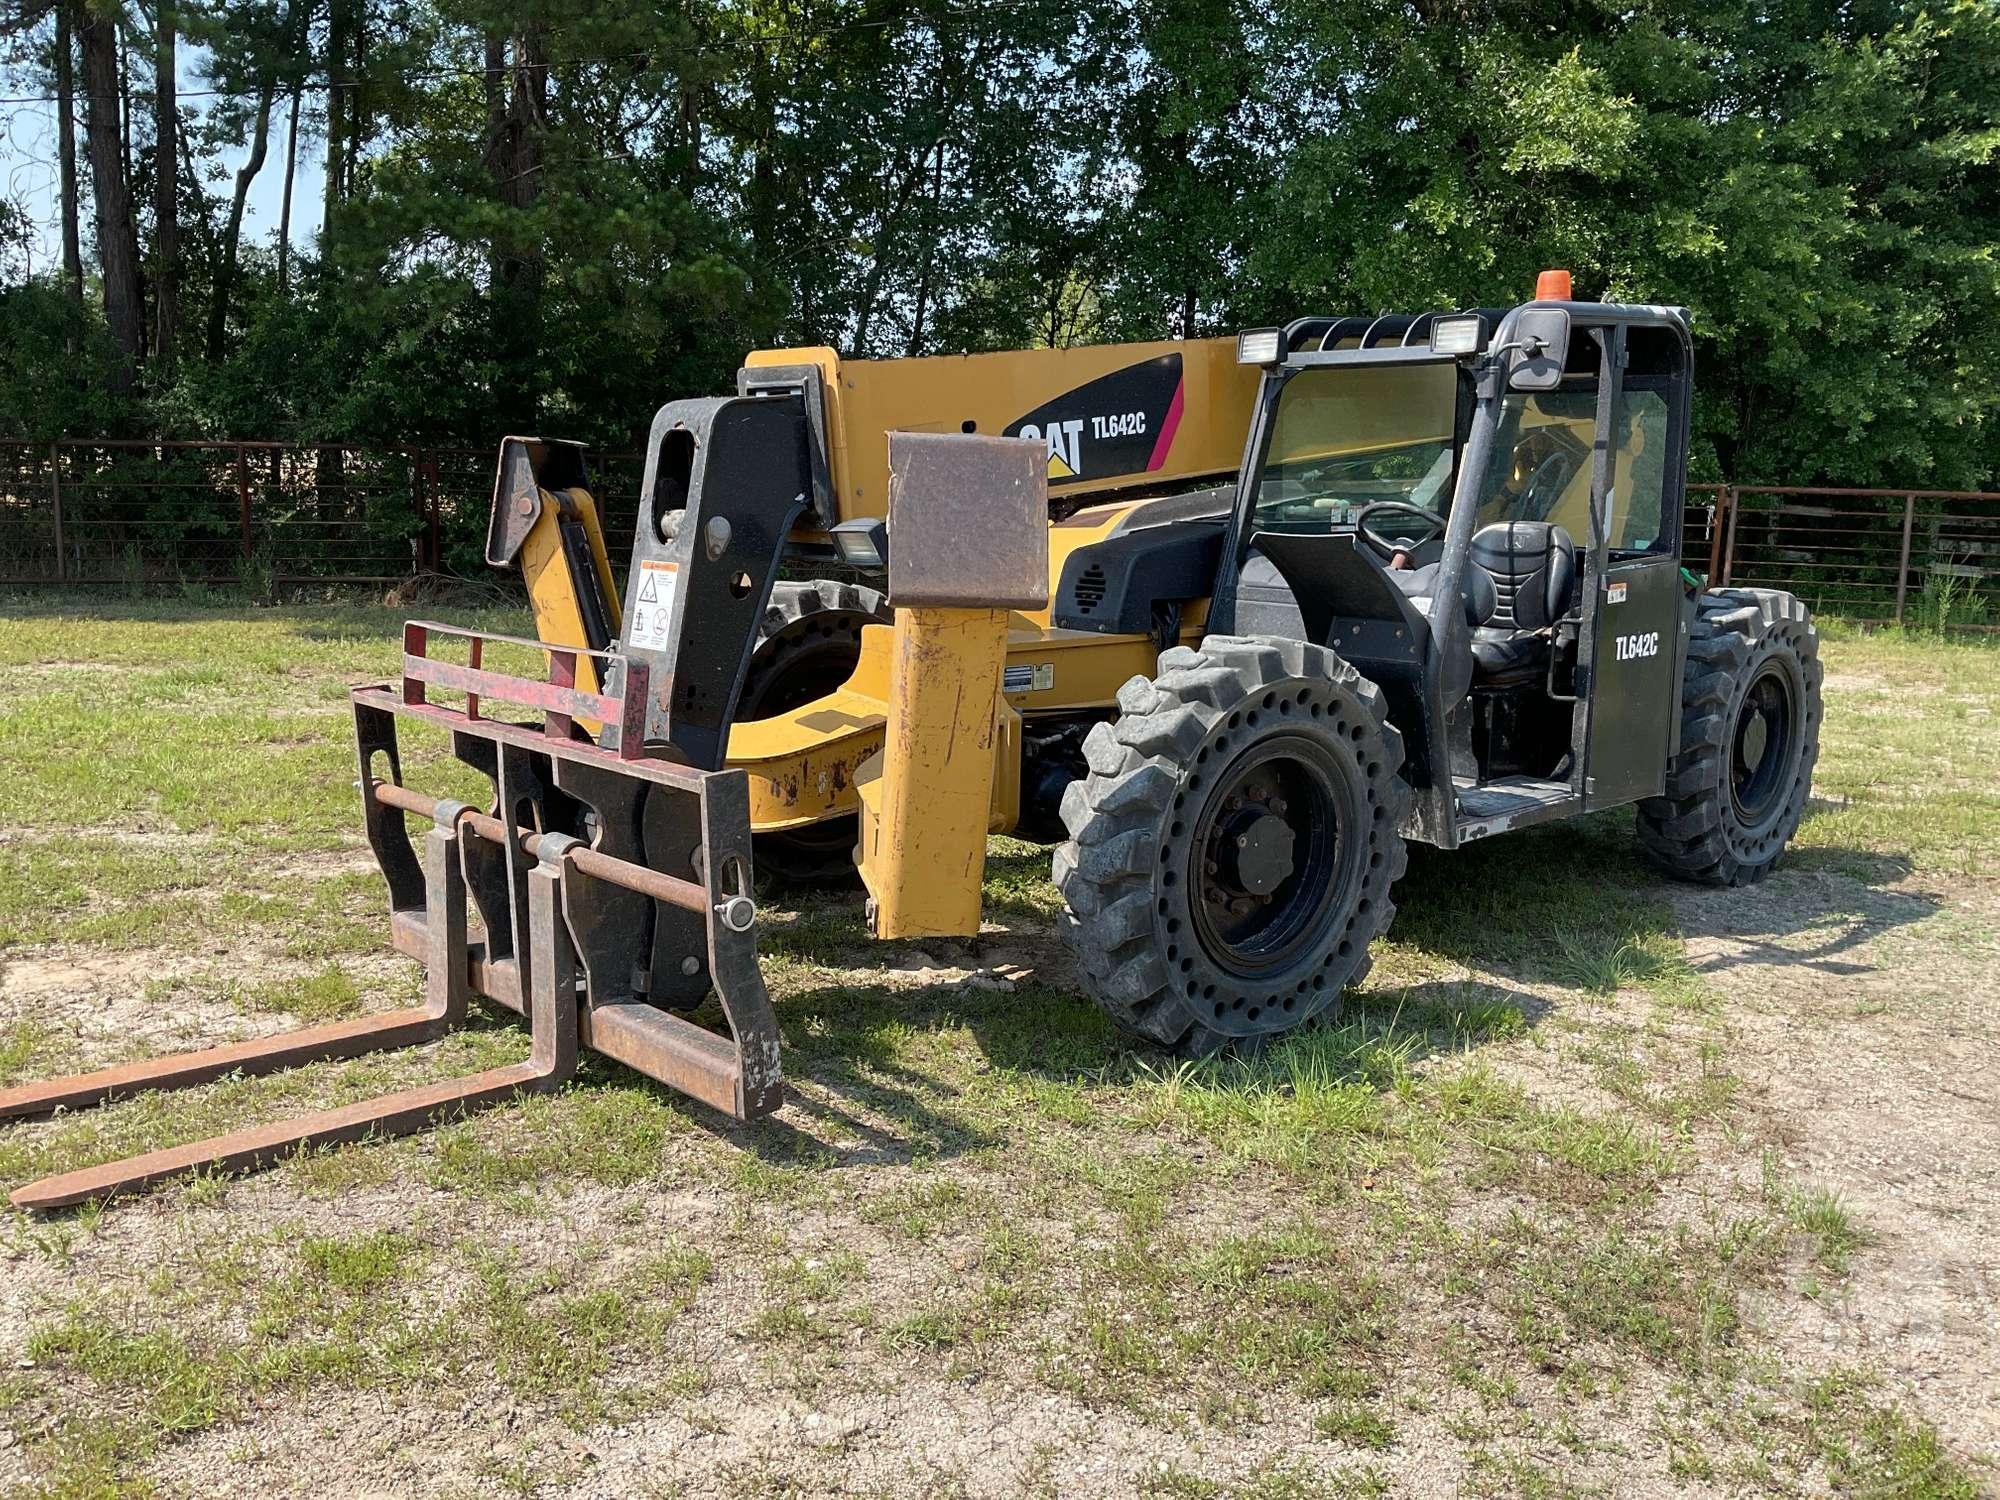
(1636, 616)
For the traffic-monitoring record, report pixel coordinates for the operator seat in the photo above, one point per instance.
(1533, 568)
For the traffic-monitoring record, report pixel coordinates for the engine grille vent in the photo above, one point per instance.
(1089, 589)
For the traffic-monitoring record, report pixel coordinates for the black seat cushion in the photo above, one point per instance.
(1533, 568)
(1420, 586)
(1532, 565)
(1503, 658)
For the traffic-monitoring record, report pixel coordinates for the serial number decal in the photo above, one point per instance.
(1632, 647)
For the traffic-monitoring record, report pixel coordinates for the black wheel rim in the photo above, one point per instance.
(1264, 860)
(1761, 747)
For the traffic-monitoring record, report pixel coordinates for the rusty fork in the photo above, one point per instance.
(597, 944)
(552, 1014)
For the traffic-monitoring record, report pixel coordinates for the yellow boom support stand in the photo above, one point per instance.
(927, 799)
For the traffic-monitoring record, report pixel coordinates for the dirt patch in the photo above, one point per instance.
(93, 1007)
(1864, 1020)
(96, 1006)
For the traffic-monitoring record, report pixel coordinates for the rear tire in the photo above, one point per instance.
(1750, 718)
(1232, 848)
(807, 645)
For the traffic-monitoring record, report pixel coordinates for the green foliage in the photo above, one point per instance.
(638, 195)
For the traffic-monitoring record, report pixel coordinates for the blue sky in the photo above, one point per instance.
(28, 170)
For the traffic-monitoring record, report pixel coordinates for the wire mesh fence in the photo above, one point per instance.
(254, 513)
(271, 515)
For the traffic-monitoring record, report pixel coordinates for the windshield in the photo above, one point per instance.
(1347, 436)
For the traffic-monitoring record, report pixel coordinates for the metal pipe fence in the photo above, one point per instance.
(1871, 555)
(273, 515)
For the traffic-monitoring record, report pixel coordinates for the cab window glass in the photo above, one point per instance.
(1342, 437)
(1541, 463)
(1639, 491)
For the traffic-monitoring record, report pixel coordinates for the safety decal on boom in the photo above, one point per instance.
(653, 605)
(1121, 423)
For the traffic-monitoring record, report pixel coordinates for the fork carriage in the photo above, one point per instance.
(612, 892)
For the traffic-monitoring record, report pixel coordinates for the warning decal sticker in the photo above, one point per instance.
(1121, 423)
(651, 624)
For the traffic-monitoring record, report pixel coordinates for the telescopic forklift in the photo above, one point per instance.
(1226, 623)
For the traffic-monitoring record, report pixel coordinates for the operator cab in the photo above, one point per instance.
(1461, 505)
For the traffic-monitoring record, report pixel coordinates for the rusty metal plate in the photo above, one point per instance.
(968, 522)
(528, 466)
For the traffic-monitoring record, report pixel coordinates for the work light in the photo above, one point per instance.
(1258, 346)
(863, 543)
(1457, 335)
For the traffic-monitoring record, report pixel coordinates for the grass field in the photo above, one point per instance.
(1602, 1185)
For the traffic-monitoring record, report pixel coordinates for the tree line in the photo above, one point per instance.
(544, 216)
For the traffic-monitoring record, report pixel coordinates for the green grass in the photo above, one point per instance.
(1906, 767)
(1497, 1194)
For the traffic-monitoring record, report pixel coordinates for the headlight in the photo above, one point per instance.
(1457, 335)
(1258, 346)
(863, 543)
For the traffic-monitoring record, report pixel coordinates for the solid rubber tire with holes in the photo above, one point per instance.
(1744, 641)
(1137, 824)
(807, 645)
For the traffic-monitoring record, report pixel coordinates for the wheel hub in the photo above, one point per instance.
(1256, 850)
(1756, 737)
(1763, 743)
(1266, 852)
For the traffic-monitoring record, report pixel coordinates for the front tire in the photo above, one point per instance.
(1232, 848)
(1750, 717)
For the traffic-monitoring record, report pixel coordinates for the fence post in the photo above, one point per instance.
(55, 503)
(435, 562)
(1729, 541)
(243, 497)
(1723, 507)
(1903, 559)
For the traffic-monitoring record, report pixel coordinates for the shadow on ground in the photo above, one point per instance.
(1548, 905)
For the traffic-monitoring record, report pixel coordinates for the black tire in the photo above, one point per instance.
(1750, 718)
(1179, 938)
(807, 645)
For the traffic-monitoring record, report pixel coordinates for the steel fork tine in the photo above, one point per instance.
(444, 1005)
(552, 1014)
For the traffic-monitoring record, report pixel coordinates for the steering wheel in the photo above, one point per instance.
(1382, 545)
(1553, 470)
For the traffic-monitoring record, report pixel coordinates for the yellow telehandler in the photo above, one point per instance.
(1226, 622)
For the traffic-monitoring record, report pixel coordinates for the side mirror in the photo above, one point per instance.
(1541, 340)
